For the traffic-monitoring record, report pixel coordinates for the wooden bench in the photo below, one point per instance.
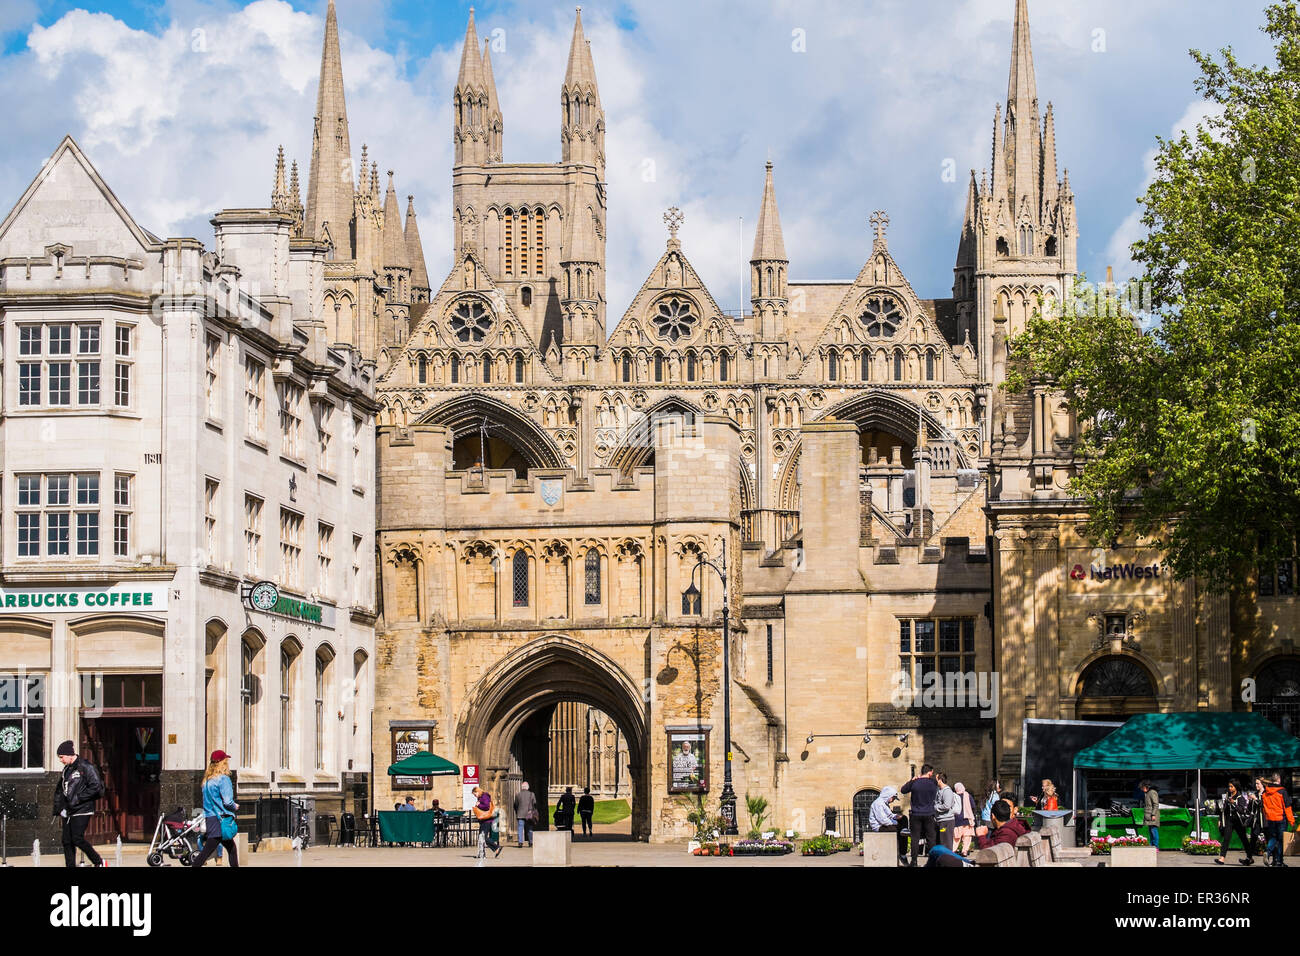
(1000, 854)
(1030, 850)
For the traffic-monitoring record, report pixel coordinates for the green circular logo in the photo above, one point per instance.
(264, 596)
(11, 739)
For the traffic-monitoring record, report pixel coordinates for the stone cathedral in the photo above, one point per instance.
(894, 527)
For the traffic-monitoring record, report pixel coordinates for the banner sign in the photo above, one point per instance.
(118, 597)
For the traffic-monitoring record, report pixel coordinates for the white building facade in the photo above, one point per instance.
(175, 429)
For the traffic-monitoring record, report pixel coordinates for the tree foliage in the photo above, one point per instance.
(1200, 416)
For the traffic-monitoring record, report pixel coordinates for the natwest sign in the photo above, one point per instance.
(1114, 572)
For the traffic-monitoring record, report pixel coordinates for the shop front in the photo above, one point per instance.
(84, 664)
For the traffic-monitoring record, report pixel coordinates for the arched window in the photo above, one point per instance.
(423, 365)
(1115, 686)
(250, 695)
(591, 569)
(519, 575)
(866, 366)
(519, 369)
(1026, 241)
(289, 651)
(690, 367)
(455, 370)
(487, 369)
(659, 367)
(898, 366)
(526, 297)
(324, 658)
(627, 367)
(833, 366)
(723, 361)
(929, 366)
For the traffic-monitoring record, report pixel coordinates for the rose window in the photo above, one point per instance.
(674, 318)
(471, 321)
(882, 316)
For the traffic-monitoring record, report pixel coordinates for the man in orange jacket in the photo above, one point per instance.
(1276, 806)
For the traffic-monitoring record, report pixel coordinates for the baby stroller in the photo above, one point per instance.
(176, 837)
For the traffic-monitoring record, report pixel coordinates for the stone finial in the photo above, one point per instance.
(880, 223)
(674, 218)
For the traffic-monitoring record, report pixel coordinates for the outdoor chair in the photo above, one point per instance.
(1030, 850)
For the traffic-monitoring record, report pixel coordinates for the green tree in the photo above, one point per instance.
(1200, 415)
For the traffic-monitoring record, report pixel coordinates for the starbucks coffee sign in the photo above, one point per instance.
(11, 739)
(133, 598)
(264, 596)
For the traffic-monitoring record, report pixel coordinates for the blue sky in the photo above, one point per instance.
(181, 105)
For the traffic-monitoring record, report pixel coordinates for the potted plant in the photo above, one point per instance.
(1205, 847)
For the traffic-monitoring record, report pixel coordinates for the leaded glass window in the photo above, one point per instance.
(520, 575)
(470, 321)
(674, 318)
(592, 574)
(881, 315)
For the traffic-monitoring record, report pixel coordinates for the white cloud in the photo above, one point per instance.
(1118, 249)
(865, 119)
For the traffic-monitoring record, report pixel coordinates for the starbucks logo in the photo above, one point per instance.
(264, 596)
(11, 739)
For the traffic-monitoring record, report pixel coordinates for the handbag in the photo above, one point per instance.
(228, 828)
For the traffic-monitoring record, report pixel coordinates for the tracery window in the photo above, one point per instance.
(674, 318)
(520, 575)
(470, 321)
(592, 574)
(881, 315)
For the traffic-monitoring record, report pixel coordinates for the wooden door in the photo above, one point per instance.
(99, 745)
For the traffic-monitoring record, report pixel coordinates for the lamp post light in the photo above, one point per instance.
(691, 604)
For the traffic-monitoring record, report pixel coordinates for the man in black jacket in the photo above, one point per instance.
(923, 790)
(79, 788)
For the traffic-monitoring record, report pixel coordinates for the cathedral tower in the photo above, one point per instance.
(769, 269)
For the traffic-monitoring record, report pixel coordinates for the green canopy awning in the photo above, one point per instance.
(423, 764)
(1195, 741)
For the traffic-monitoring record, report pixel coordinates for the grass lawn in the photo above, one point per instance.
(607, 811)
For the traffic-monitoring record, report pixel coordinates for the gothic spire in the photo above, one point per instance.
(769, 244)
(495, 121)
(1051, 187)
(1023, 130)
(395, 255)
(471, 113)
(471, 64)
(415, 249)
(581, 71)
(329, 183)
(280, 191)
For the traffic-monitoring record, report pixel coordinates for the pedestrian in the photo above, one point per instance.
(409, 805)
(884, 817)
(219, 808)
(565, 810)
(1256, 795)
(1276, 806)
(587, 810)
(74, 802)
(945, 810)
(1048, 800)
(485, 813)
(525, 813)
(963, 824)
(1234, 818)
(1005, 827)
(1151, 811)
(923, 790)
(993, 793)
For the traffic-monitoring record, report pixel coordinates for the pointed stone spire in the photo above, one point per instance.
(582, 127)
(999, 159)
(470, 110)
(329, 183)
(280, 191)
(1023, 143)
(395, 255)
(1051, 188)
(415, 254)
(966, 247)
(495, 121)
(295, 200)
(769, 243)
(769, 268)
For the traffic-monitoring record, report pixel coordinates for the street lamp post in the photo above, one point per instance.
(691, 604)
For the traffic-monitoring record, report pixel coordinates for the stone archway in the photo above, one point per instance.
(514, 440)
(506, 715)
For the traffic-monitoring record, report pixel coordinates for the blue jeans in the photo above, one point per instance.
(525, 830)
(1155, 837)
(1273, 849)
